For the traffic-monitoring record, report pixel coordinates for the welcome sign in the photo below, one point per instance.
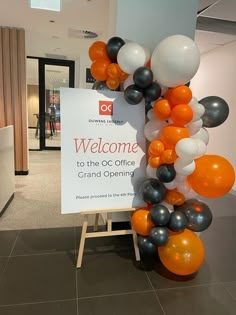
(102, 150)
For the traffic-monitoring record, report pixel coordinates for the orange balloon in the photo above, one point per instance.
(113, 83)
(162, 109)
(213, 176)
(123, 75)
(181, 114)
(183, 254)
(98, 50)
(141, 221)
(168, 156)
(114, 71)
(99, 69)
(180, 95)
(156, 148)
(174, 197)
(154, 161)
(171, 134)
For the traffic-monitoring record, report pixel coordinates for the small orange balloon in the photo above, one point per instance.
(154, 161)
(168, 156)
(181, 114)
(174, 197)
(123, 75)
(112, 83)
(213, 176)
(98, 50)
(180, 95)
(99, 69)
(141, 221)
(162, 109)
(183, 254)
(114, 71)
(171, 134)
(156, 148)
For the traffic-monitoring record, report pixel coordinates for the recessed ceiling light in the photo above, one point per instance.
(54, 5)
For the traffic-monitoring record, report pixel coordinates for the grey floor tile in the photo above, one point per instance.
(144, 303)
(219, 241)
(7, 240)
(161, 278)
(231, 288)
(3, 262)
(38, 278)
(50, 308)
(44, 241)
(202, 300)
(110, 273)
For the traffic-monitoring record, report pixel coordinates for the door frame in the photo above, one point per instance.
(41, 79)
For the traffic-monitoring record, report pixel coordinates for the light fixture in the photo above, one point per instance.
(54, 5)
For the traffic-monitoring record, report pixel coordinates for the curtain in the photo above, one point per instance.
(13, 91)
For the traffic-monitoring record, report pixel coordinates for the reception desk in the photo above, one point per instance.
(7, 171)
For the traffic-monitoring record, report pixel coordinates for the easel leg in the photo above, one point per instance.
(136, 249)
(82, 241)
(95, 227)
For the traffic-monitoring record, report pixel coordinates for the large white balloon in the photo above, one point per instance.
(202, 134)
(130, 57)
(187, 149)
(184, 168)
(175, 60)
(153, 128)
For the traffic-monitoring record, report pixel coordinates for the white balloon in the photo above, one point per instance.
(183, 188)
(201, 148)
(128, 81)
(186, 149)
(151, 172)
(198, 111)
(171, 185)
(180, 178)
(194, 126)
(153, 128)
(175, 60)
(167, 205)
(190, 194)
(202, 134)
(130, 57)
(182, 168)
(193, 101)
(150, 115)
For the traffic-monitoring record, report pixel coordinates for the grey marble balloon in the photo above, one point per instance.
(216, 111)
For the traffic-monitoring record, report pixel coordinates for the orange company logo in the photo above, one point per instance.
(106, 108)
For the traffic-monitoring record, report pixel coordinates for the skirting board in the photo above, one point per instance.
(6, 205)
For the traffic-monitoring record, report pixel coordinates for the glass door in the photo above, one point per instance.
(53, 74)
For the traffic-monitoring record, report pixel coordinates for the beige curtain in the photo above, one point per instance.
(13, 91)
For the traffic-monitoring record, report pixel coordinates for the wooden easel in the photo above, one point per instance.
(108, 232)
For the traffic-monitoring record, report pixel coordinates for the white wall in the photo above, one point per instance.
(216, 76)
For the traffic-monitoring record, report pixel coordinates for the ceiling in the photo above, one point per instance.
(63, 34)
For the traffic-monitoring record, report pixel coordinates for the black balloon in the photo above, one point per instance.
(148, 106)
(145, 246)
(198, 214)
(178, 221)
(166, 172)
(159, 236)
(113, 46)
(160, 215)
(152, 92)
(152, 191)
(143, 77)
(133, 94)
(216, 111)
(101, 86)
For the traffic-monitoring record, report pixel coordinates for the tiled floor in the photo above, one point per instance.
(38, 276)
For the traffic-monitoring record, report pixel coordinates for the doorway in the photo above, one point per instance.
(45, 77)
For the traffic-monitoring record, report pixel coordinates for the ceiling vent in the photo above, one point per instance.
(81, 34)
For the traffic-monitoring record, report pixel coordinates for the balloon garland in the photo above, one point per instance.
(178, 168)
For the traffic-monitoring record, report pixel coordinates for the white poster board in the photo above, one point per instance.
(102, 150)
